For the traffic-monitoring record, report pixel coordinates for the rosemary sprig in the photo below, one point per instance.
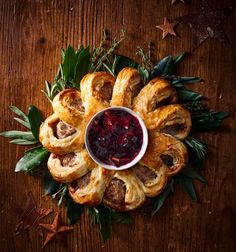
(52, 89)
(60, 193)
(197, 145)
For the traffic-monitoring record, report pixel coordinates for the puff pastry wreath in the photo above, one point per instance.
(63, 135)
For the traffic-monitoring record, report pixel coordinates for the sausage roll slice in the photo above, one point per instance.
(89, 189)
(71, 166)
(167, 151)
(59, 137)
(173, 119)
(158, 92)
(68, 106)
(96, 91)
(123, 192)
(127, 86)
(152, 179)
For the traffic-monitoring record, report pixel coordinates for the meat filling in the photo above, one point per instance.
(106, 92)
(167, 160)
(81, 182)
(144, 174)
(173, 129)
(156, 104)
(63, 130)
(68, 159)
(115, 192)
(77, 104)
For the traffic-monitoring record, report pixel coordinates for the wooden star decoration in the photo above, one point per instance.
(30, 216)
(167, 28)
(205, 23)
(174, 1)
(55, 228)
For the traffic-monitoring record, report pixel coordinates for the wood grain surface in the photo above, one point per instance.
(32, 32)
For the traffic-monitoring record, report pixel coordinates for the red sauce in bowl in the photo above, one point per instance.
(115, 137)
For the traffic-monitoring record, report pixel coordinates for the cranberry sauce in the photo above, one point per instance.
(115, 137)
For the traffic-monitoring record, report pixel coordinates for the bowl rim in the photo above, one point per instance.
(141, 152)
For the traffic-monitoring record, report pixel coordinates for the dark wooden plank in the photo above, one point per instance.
(31, 35)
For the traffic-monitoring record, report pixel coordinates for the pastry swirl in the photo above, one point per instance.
(123, 192)
(165, 156)
(127, 86)
(59, 137)
(158, 92)
(68, 106)
(69, 167)
(173, 119)
(89, 189)
(96, 92)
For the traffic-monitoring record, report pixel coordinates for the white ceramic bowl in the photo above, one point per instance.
(136, 159)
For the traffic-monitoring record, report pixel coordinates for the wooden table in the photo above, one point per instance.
(32, 34)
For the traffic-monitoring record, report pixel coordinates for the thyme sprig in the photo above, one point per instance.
(101, 55)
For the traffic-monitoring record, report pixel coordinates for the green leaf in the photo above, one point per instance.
(31, 160)
(69, 63)
(74, 210)
(19, 113)
(178, 58)
(105, 224)
(101, 215)
(188, 186)
(82, 65)
(122, 62)
(163, 68)
(159, 200)
(26, 135)
(23, 142)
(191, 173)
(35, 120)
(186, 95)
(24, 123)
(122, 218)
(33, 148)
(144, 74)
(208, 121)
(180, 81)
(50, 186)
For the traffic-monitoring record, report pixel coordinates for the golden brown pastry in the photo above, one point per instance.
(71, 166)
(123, 192)
(165, 150)
(165, 156)
(151, 179)
(173, 119)
(59, 137)
(96, 92)
(90, 188)
(158, 92)
(68, 106)
(127, 86)
(151, 103)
